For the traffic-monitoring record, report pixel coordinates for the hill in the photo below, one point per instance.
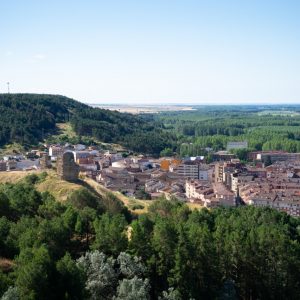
(62, 189)
(30, 118)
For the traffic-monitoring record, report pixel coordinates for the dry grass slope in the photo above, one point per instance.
(60, 189)
(14, 176)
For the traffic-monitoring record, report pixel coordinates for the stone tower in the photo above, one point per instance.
(66, 167)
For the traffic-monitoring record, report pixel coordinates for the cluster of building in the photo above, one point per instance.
(19, 162)
(271, 179)
(157, 177)
(276, 185)
(232, 183)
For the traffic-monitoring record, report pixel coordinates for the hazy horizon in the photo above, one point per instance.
(159, 52)
(161, 103)
(193, 104)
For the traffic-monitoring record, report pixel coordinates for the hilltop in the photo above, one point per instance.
(30, 118)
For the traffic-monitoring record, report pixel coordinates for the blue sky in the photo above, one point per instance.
(150, 52)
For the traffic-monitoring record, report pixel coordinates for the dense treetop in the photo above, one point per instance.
(90, 247)
(29, 118)
(273, 127)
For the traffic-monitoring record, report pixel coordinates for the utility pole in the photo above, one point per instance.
(7, 87)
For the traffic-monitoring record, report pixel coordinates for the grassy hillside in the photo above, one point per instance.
(61, 189)
(15, 176)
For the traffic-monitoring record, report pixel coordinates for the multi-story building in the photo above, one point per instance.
(290, 205)
(190, 169)
(198, 190)
(187, 169)
(203, 173)
(223, 171)
(273, 156)
(238, 179)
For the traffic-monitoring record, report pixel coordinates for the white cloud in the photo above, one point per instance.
(8, 53)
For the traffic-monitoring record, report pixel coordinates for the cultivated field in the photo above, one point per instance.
(144, 109)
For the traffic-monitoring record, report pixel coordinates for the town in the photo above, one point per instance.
(267, 179)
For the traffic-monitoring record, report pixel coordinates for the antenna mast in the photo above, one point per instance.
(7, 87)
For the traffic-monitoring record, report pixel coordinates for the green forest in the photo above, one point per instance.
(91, 247)
(30, 118)
(264, 127)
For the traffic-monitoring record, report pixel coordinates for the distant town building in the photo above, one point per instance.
(117, 179)
(11, 165)
(198, 190)
(237, 145)
(190, 169)
(239, 179)
(223, 156)
(290, 205)
(224, 169)
(203, 173)
(209, 194)
(114, 155)
(87, 164)
(2, 165)
(55, 151)
(165, 163)
(277, 156)
(273, 156)
(79, 147)
(81, 154)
